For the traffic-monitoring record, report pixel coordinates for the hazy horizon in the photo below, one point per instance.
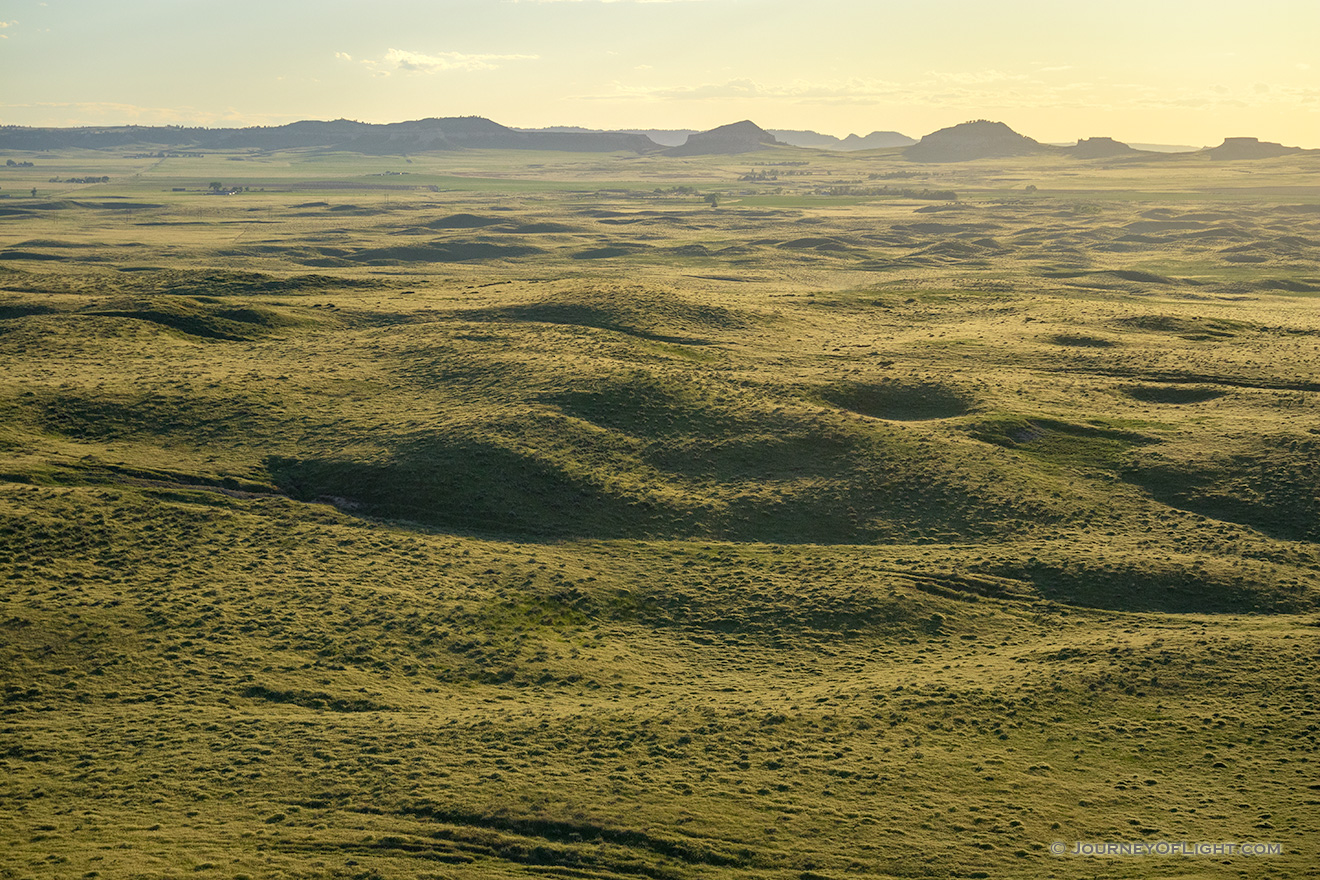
(1172, 73)
(685, 130)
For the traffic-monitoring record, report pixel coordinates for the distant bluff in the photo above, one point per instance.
(1100, 148)
(980, 139)
(1249, 148)
(737, 137)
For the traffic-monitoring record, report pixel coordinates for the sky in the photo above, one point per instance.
(1141, 71)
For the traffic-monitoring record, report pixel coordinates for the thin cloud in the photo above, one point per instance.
(402, 60)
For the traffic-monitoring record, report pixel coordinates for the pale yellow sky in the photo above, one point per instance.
(1159, 71)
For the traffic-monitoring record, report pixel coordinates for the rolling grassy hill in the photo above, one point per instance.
(472, 516)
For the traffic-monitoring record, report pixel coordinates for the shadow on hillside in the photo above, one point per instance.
(469, 485)
(1147, 584)
(1274, 488)
(790, 486)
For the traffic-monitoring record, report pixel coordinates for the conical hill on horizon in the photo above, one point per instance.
(738, 137)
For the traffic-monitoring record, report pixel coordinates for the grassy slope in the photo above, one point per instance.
(535, 526)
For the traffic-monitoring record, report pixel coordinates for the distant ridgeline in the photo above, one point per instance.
(423, 135)
(677, 137)
(983, 139)
(978, 139)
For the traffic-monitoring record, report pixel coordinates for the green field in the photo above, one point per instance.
(513, 514)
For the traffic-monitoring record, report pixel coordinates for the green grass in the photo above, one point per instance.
(547, 524)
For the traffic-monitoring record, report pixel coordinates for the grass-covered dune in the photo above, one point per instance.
(524, 521)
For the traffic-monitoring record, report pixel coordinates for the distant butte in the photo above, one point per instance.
(980, 139)
(1249, 148)
(737, 137)
(1100, 148)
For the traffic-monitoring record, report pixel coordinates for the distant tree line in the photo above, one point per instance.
(762, 176)
(934, 195)
(12, 164)
(80, 180)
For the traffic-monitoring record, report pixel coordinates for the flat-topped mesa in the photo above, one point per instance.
(979, 139)
(1249, 148)
(1100, 148)
(737, 137)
